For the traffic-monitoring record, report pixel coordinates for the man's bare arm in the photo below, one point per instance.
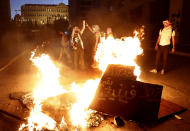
(173, 43)
(157, 42)
(83, 27)
(90, 28)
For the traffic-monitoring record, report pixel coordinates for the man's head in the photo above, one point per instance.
(166, 23)
(76, 29)
(109, 30)
(64, 35)
(95, 28)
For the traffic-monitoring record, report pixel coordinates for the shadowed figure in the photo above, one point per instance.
(65, 48)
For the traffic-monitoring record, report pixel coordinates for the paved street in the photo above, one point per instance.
(20, 77)
(176, 87)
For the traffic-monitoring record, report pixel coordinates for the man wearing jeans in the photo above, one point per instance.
(163, 46)
(78, 47)
(65, 48)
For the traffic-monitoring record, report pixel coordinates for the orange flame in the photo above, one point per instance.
(49, 86)
(85, 95)
(110, 51)
(118, 51)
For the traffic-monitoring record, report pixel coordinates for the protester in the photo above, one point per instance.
(163, 46)
(65, 48)
(109, 32)
(78, 47)
(96, 31)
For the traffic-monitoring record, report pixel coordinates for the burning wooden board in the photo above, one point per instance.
(126, 97)
(120, 72)
(58, 106)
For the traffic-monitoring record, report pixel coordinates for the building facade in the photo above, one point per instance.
(43, 14)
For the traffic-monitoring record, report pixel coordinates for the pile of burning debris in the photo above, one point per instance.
(95, 118)
(108, 102)
(60, 111)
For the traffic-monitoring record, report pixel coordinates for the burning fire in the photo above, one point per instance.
(49, 76)
(79, 111)
(49, 86)
(118, 51)
(110, 51)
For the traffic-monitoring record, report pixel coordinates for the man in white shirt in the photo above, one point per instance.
(163, 46)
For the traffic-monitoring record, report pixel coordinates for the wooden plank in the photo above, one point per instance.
(58, 106)
(168, 108)
(120, 72)
(13, 108)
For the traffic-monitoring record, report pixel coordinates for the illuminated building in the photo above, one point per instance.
(43, 14)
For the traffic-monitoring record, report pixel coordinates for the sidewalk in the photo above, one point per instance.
(175, 86)
(175, 53)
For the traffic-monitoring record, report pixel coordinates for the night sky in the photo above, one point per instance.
(16, 4)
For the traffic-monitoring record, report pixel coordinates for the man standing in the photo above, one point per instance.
(78, 47)
(163, 46)
(109, 32)
(65, 48)
(96, 31)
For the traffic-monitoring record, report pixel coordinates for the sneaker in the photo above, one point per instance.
(153, 71)
(162, 72)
